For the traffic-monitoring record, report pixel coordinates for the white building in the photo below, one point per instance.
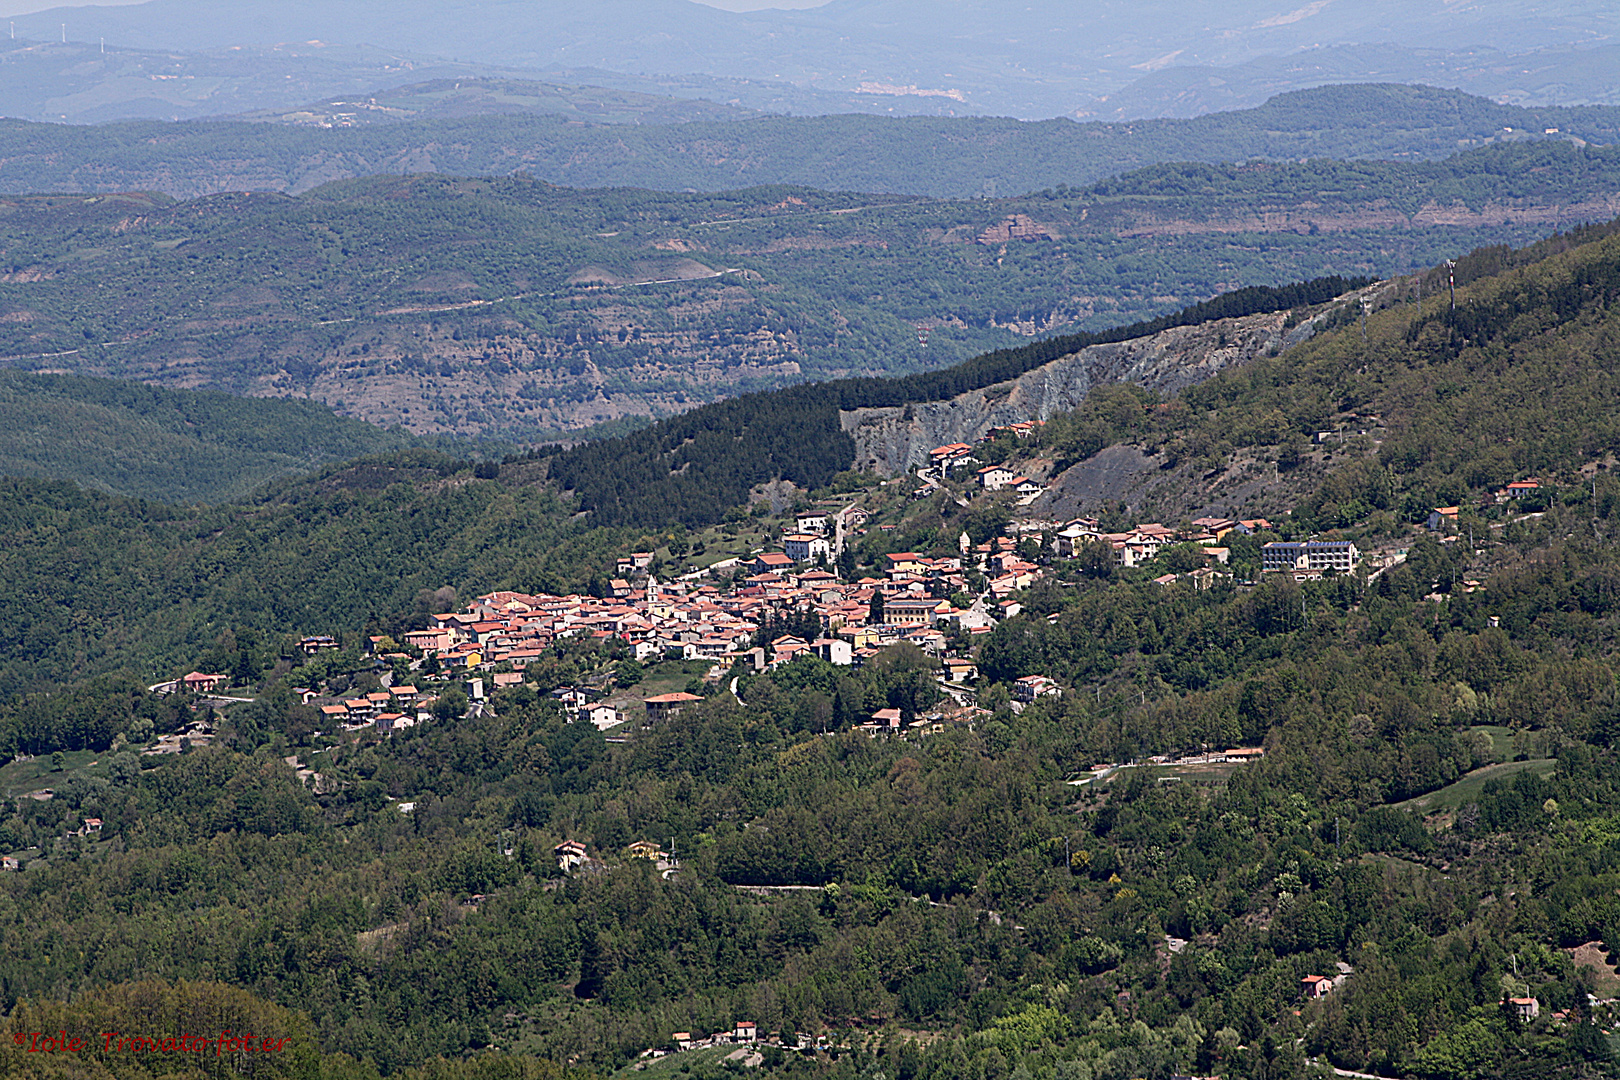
(805, 547)
(1310, 556)
(996, 477)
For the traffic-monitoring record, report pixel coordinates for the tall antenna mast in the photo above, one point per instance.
(1451, 281)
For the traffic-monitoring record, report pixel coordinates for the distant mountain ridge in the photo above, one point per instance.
(1558, 75)
(80, 82)
(1028, 61)
(508, 308)
(563, 135)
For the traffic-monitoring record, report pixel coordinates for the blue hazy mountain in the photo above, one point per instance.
(1025, 60)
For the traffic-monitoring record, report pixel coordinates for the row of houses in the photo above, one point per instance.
(1143, 543)
(387, 709)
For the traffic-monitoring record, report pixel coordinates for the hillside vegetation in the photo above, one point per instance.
(125, 438)
(509, 308)
(935, 905)
(1423, 369)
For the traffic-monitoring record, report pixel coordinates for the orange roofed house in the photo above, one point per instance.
(668, 706)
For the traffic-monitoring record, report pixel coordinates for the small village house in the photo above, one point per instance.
(668, 706)
(1525, 1008)
(570, 854)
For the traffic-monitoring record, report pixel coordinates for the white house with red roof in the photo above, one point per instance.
(199, 683)
(996, 477)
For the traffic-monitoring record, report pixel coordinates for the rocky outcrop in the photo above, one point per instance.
(1015, 227)
(890, 441)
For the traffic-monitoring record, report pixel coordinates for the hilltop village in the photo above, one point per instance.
(805, 595)
(725, 616)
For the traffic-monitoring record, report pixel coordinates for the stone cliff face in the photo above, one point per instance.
(890, 441)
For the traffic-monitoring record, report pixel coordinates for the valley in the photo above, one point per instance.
(513, 310)
(566, 581)
(503, 738)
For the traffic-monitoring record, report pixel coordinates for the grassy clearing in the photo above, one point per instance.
(1467, 789)
(1501, 740)
(1606, 983)
(671, 677)
(673, 1065)
(20, 777)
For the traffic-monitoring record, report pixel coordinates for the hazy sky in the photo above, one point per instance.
(23, 7)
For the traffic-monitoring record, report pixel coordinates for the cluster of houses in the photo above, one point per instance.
(688, 620)
(691, 620)
(745, 1035)
(944, 460)
(1001, 478)
(1444, 518)
(952, 456)
(572, 856)
(393, 708)
(694, 620)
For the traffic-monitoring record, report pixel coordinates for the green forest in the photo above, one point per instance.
(1431, 825)
(126, 438)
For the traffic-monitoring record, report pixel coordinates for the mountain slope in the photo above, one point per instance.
(515, 310)
(1524, 376)
(1523, 379)
(167, 445)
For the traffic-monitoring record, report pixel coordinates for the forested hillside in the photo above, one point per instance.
(568, 137)
(107, 584)
(509, 308)
(696, 467)
(1431, 825)
(172, 446)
